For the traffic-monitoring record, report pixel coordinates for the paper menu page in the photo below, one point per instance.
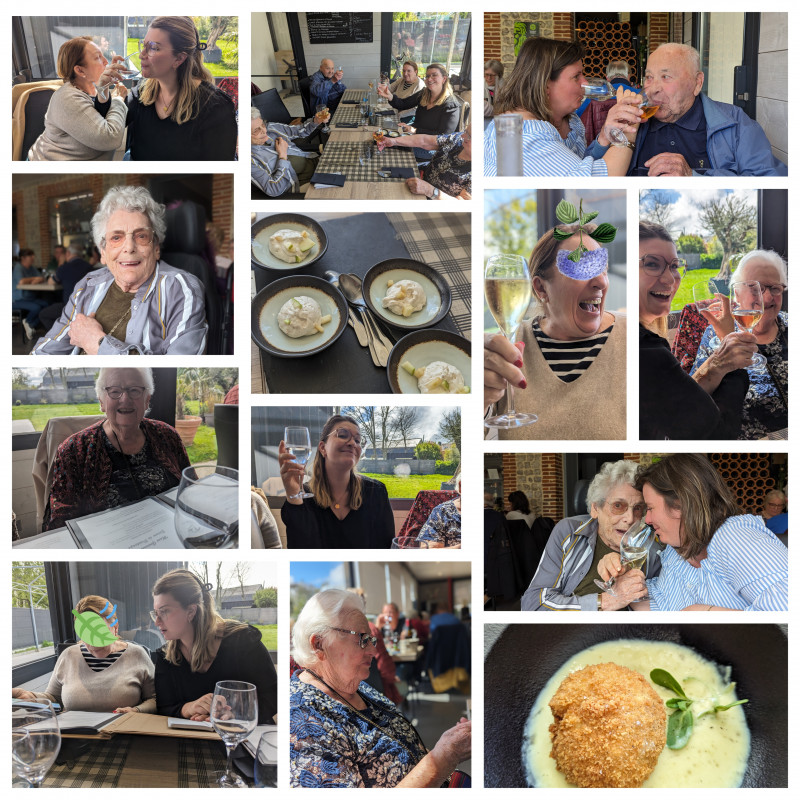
(58, 539)
(251, 742)
(214, 496)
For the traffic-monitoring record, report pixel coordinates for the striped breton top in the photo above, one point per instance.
(99, 664)
(569, 360)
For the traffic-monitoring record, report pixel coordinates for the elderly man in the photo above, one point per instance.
(326, 86)
(67, 276)
(774, 513)
(691, 134)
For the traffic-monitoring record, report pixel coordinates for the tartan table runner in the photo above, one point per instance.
(344, 157)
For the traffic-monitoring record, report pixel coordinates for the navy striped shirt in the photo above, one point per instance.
(99, 664)
(569, 360)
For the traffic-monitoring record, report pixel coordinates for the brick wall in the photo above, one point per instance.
(658, 25)
(563, 26)
(491, 36)
(553, 486)
(509, 473)
(222, 204)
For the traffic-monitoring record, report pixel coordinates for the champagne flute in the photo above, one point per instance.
(747, 307)
(234, 716)
(705, 299)
(507, 286)
(633, 550)
(35, 740)
(298, 442)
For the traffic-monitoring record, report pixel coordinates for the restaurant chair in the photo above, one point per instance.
(424, 503)
(55, 431)
(463, 120)
(305, 93)
(500, 576)
(272, 108)
(17, 315)
(449, 661)
(230, 86)
(691, 327)
(226, 428)
(29, 109)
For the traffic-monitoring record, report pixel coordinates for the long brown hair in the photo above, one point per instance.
(447, 89)
(539, 61)
(184, 38)
(689, 483)
(71, 54)
(320, 486)
(208, 625)
(652, 230)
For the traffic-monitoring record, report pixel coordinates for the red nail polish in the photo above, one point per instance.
(518, 363)
(523, 384)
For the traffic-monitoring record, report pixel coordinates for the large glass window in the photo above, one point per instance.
(429, 37)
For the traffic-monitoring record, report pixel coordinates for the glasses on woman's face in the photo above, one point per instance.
(363, 638)
(133, 392)
(655, 265)
(142, 236)
(346, 435)
(162, 614)
(150, 48)
(619, 507)
(776, 290)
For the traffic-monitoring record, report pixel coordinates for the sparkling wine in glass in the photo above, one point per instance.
(234, 716)
(35, 740)
(323, 109)
(507, 286)
(747, 307)
(633, 550)
(298, 442)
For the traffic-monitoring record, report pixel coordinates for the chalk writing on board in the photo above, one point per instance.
(342, 28)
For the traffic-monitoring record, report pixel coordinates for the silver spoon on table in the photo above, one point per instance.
(355, 323)
(353, 290)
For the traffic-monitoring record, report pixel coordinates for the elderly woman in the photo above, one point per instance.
(136, 303)
(493, 79)
(545, 87)
(116, 677)
(410, 83)
(203, 648)
(74, 128)
(716, 558)
(346, 510)
(443, 526)
(672, 405)
(573, 352)
(344, 733)
(450, 169)
(766, 404)
(566, 573)
(120, 459)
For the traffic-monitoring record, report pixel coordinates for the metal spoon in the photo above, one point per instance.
(355, 323)
(353, 290)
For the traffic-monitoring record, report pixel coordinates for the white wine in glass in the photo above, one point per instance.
(507, 286)
(747, 307)
(633, 549)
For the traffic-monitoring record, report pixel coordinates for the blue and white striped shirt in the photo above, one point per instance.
(747, 568)
(545, 153)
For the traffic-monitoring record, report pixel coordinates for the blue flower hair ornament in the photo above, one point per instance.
(590, 264)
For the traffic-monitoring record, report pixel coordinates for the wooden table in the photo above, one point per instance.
(40, 287)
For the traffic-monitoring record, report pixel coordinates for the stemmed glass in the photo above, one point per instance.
(507, 286)
(265, 767)
(633, 550)
(207, 506)
(35, 740)
(125, 65)
(409, 542)
(233, 715)
(323, 109)
(705, 299)
(364, 108)
(747, 307)
(298, 442)
(600, 89)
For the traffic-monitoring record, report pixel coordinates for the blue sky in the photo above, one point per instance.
(314, 572)
(686, 206)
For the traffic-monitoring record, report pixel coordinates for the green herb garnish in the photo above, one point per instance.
(569, 215)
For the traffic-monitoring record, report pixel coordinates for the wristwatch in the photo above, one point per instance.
(435, 195)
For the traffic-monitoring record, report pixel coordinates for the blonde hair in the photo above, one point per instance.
(184, 38)
(70, 55)
(447, 89)
(187, 590)
(320, 486)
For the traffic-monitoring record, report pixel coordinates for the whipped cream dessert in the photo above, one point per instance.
(300, 316)
(290, 246)
(404, 298)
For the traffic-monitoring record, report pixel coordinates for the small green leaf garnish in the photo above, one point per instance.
(566, 212)
(588, 216)
(679, 729)
(575, 255)
(677, 702)
(604, 233)
(662, 678)
(730, 705)
(560, 235)
(568, 215)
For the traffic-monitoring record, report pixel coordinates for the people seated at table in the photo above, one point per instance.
(347, 510)
(119, 460)
(493, 71)
(390, 621)
(409, 83)
(24, 272)
(115, 677)
(673, 405)
(327, 86)
(691, 134)
(572, 351)
(774, 514)
(203, 648)
(716, 558)
(766, 404)
(136, 303)
(450, 168)
(75, 129)
(277, 164)
(565, 577)
(443, 526)
(545, 88)
(67, 276)
(343, 732)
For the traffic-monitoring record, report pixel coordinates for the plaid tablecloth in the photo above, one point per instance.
(443, 242)
(345, 157)
(351, 95)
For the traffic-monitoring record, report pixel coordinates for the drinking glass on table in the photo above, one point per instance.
(207, 506)
(747, 307)
(364, 108)
(265, 766)
(633, 550)
(323, 109)
(298, 442)
(233, 715)
(35, 740)
(507, 286)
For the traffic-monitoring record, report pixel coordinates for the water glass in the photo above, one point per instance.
(266, 760)
(234, 716)
(207, 506)
(35, 740)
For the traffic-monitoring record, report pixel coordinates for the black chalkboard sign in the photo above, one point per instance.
(339, 28)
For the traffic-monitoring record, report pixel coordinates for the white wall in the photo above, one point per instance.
(262, 55)
(772, 98)
(22, 496)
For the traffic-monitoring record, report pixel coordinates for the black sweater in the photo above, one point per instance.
(369, 527)
(673, 406)
(241, 657)
(433, 121)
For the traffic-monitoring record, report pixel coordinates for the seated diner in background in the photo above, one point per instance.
(327, 86)
(493, 71)
(119, 460)
(407, 84)
(443, 526)
(774, 514)
(23, 273)
(136, 303)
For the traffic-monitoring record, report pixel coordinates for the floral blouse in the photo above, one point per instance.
(447, 172)
(332, 747)
(764, 408)
(443, 525)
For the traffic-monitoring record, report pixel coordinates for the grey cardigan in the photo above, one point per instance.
(168, 316)
(566, 559)
(75, 131)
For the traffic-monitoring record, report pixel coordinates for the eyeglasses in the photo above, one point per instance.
(776, 290)
(620, 507)
(133, 392)
(656, 265)
(142, 237)
(363, 640)
(162, 614)
(346, 435)
(149, 47)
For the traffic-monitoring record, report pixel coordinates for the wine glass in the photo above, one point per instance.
(207, 506)
(408, 542)
(125, 65)
(233, 715)
(265, 767)
(35, 740)
(507, 286)
(600, 89)
(747, 307)
(633, 550)
(705, 299)
(364, 108)
(298, 442)
(323, 109)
